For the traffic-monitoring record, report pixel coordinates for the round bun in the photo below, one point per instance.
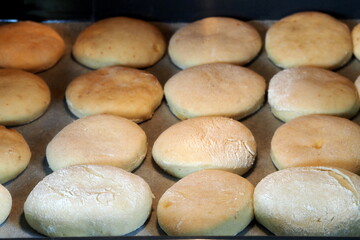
(214, 39)
(99, 139)
(5, 203)
(356, 41)
(126, 92)
(29, 46)
(357, 85)
(309, 201)
(215, 89)
(15, 154)
(317, 140)
(24, 97)
(309, 39)
(205, 143)
(207, 203)
(119, 41)
(301, 91)
(88, 200)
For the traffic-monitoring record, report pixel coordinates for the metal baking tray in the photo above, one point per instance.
(39, 132)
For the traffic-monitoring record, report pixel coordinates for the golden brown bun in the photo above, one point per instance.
(317, 140)
(24, 97)
(309, 201)
(355, 34)
(309, 39)
(29, 46)
(5, 203)
(15, 154)
(214, 39)
(205, 143)
(207, 203)
(215, 89)
(126, 92)
(99, 139)
(301, 91)
(119, 41)
(88, 200)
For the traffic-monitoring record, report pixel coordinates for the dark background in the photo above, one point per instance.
(171, 10)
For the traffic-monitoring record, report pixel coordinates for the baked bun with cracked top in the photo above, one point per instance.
(214, 39)
(24, 97)
(215, 89)
(205, 143)
(309, 201)
(15, 154)
(127, 92)
(309, 39)
(30, 46)
(5, 203)
(102, 139)
(121, 41)
(88, 200)
(301, 91)
(207, 203)
(317, 140)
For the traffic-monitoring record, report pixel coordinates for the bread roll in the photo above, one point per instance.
(215, 89)
(15, 154)
(301, 91)
(207, 203)
(24, 97)
(309, 201)
(309, 39)
(214, 39)
(5, 203)
(119, 41)
(357, 85)
(127, 92)
(88, 200)
(99, 139)
(317, 140)
(205, 143)
(29, 46)
(355, 34)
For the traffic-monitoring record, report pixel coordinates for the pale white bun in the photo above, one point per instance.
(309, 39)
(214, 39)
(215, 89)
(24, 97)
(309, 201)
(301, 91)
(207, 203)
(317, 140)
(127, 92)
(205, 143)
(15, 154)
(98, 139)
(88, 200)
(5, 203)
(30, 46)
(119, 41)
(356, 40)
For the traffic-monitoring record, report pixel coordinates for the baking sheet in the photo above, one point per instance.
(39, 132)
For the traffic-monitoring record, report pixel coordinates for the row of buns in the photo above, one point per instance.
(301, 39)
(241, 146)
(189, 145)
(215, 89)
